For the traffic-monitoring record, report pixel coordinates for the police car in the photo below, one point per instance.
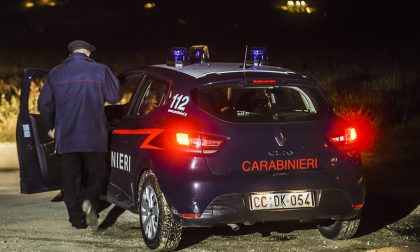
(201, 143)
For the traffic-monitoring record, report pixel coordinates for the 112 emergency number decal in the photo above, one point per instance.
(178, 104)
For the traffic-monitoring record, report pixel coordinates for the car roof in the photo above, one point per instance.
(202, 74)
(203, 69)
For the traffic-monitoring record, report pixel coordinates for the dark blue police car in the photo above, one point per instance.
(199, 144)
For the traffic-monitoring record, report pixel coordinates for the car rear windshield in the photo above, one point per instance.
(242, 103)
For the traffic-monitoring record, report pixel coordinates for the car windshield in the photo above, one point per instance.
(239, 103)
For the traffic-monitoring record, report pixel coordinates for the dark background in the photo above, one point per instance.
(364, 53)
(226, 26)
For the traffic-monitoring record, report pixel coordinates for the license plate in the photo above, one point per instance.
(281, 200)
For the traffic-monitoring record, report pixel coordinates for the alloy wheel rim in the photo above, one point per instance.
(149, 209)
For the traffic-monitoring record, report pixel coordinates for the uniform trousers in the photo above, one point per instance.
(84, 177)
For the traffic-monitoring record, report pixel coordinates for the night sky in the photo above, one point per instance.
(127, 25)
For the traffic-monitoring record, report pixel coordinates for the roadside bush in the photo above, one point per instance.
(9, 110)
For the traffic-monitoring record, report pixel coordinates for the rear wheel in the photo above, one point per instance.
(159, 229)
(340, 229)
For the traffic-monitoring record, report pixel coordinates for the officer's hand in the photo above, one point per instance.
(51, 133)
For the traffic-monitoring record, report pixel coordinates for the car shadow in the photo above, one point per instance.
(193, 236)
(111, 218)
(392, 181)
(383, 208)
(389, 198)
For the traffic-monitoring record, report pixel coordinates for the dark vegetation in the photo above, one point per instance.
(365, 54)
(379, 87)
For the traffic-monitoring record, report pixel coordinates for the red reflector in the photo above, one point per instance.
(358, 206)
(190, 215)
(264, 81)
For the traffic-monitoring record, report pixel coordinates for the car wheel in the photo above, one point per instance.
(340, 229)
(160, 230)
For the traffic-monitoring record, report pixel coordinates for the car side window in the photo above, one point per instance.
(153, 94)
(129, 87)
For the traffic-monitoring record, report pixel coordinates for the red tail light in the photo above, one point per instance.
(193, 142)
(343, 136)
(197, 142)
(349, 136)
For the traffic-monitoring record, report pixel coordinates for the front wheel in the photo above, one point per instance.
(340, 229)
(159, 229)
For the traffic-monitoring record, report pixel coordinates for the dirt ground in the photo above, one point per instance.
(9, 159)
(390, 220)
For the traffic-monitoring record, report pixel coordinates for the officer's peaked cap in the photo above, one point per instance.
(80, 44)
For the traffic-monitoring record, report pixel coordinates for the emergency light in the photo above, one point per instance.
(257, 56)
(199, 54)
(177, 56)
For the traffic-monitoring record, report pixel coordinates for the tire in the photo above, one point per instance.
(159, 229)
(340, 229)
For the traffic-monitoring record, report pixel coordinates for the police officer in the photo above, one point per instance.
(72, 102)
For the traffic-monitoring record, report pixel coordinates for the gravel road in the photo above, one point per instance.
(390, 222)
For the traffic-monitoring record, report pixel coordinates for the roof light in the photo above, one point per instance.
(177, 56)
(257, 56)
(199, 54)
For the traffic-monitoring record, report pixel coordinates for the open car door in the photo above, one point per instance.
(40, 167)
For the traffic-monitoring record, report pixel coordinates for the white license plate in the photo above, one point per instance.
(281, 200)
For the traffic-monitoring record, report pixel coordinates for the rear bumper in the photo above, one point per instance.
(234, 208)
(220, 199)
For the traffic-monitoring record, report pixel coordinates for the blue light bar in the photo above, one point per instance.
(178, 52)
(199, 54)
(177, 56)
(257, 52)
(257, 56)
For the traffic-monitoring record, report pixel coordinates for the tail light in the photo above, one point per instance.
(197, 142)
(348, 136)
(343, 136)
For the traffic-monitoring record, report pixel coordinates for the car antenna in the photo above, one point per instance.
(246, 51)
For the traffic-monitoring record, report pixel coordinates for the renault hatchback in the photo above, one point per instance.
(200, 144)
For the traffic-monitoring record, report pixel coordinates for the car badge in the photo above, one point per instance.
(280, 139)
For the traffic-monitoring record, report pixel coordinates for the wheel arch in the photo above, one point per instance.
(149, 165)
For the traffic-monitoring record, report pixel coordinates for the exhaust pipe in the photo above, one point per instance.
(233, 226)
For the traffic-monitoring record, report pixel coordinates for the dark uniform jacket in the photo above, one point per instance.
(72, 101)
